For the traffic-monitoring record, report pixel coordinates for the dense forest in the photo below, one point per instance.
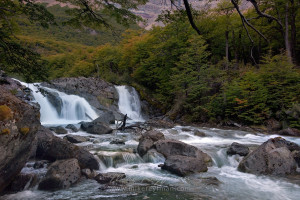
(229, 73)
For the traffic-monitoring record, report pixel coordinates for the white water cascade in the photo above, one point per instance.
(129, 103)
(74, 109)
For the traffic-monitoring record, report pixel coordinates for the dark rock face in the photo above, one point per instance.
(72, 127)
(96, 128)
(54, 99)
(109, 178)
(184, 165)
(90, 174)
(40, 164)
(236, 148)
(59, 130)
(53, 148)
(19, 123)
(272, 157)
(60, 175)
(147, 141)
(290, 132)
(107, 117)
(75, 138)
(160, 123)
(98, 93)
(296, 155)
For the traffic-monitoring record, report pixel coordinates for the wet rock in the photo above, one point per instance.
(147, 141)
(109, 178)
(184, 165)
(19, 123)
(174, 147)
(290, 132)
(107, 117)
(59, 130)
(22, 182)
(72, 127)
(90, 174)
(52, 148)
(152, 156)
(117, 141)
(186, 129)
(199, 133)
(60, 175)
(272, 157)
(296, 156)
(75, 138)
(96, 128)
(211, 181)
(236, 148)
(54, 99)
(100, 94)
(40, 164)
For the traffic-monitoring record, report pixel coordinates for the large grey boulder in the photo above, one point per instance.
(174, 147)
(59, 130)
(272, 157)
(19, 123)
(61, 174)
(147, 141)
(184, 165)
(236, 148)
(72, 127)
(107, 117)
(98, 128)
(53, 148)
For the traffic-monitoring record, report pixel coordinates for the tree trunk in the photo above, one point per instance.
(293, 31)
(286, 35)
(227, 48)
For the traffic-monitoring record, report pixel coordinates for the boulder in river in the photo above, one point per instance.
(22, 182)
(19, 123)
(53, 148)
(117, 141)
(272, 157)
(290, 132)
(147, 141)
(109, 178)
(75, 138)
(72, 127)
(184, 165)
(107, 117)
(236, 148)
(60, 175)
(59, 130)
(199, 133)
(96, 128)
(174, 147)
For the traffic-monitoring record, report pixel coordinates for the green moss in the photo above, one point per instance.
(24, 130)
(5, 113)
(14, 91)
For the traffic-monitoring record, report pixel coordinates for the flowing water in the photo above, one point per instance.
(147, 181)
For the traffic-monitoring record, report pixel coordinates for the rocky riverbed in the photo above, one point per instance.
(91, 158)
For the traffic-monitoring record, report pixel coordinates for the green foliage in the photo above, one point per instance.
(260, 94)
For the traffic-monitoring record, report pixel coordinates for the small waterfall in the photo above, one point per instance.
(71, 110)
(129, 102)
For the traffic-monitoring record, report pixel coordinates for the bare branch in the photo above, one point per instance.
(190, 16)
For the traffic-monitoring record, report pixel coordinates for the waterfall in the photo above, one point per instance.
(72, 108)
(129, 102)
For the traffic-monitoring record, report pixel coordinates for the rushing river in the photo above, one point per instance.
(145, 180)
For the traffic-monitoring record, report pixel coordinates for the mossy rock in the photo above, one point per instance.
(5, 113)
(24, 130)
(5, 131)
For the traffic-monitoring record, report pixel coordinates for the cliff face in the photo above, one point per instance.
(19, 123)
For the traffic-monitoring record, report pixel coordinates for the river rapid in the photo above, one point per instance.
(144, 179)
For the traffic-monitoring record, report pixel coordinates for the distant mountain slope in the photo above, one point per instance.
(153, 8)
